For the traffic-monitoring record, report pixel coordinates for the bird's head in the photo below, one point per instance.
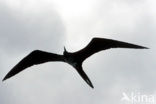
(65, 52)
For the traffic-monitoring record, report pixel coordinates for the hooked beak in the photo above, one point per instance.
(65, 49)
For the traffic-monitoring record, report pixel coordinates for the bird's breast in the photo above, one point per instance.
(71, 61)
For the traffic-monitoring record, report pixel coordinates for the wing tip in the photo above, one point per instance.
(146, 48)
(5, 78)
(142, 47)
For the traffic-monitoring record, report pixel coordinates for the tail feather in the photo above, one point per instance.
(84, 76)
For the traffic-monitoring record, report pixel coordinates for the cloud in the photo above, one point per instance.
(23, 30)
(40, 26)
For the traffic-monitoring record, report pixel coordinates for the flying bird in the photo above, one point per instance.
(75, 59)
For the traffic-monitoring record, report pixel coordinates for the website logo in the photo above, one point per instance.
(138, 98)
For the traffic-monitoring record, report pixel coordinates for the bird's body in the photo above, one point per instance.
(71, 62)
(75, 59)
(70, 59)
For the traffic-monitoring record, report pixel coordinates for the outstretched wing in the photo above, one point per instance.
(98, 44)
(34, 58)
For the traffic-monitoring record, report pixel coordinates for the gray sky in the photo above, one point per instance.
(52, 24)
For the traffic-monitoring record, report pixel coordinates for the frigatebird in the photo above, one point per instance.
(75, 59)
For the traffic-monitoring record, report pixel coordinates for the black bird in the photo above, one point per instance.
(74, 59)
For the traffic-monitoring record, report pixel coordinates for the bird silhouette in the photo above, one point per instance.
(75, 59)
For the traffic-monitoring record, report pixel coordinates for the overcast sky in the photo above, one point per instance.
(49, 25)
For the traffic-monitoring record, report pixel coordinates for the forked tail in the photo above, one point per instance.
(84, 76)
